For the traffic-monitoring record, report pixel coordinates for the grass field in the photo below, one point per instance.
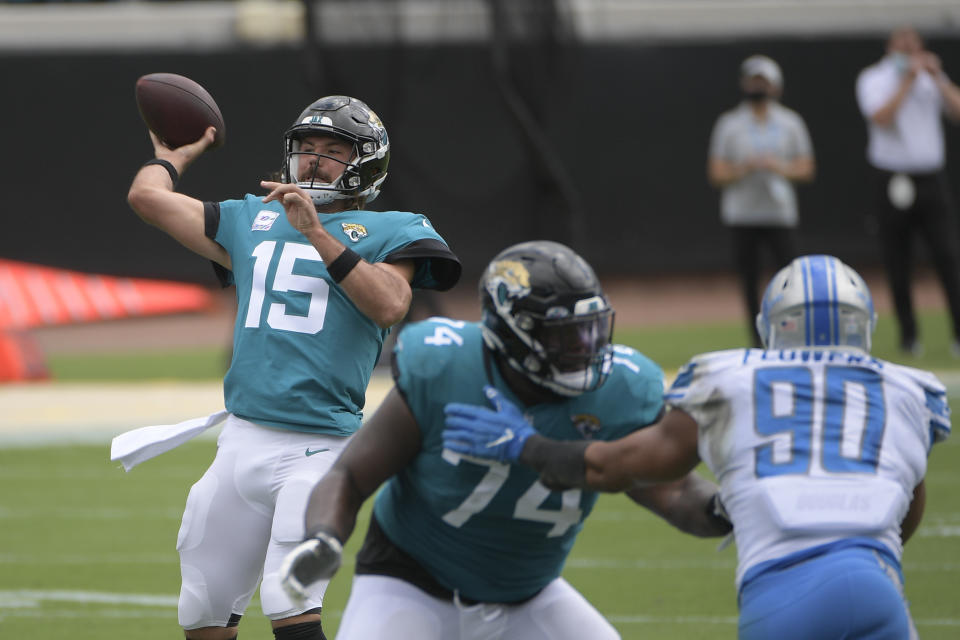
(670, 346)
(87, 551)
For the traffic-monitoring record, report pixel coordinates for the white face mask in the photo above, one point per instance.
(901, 62)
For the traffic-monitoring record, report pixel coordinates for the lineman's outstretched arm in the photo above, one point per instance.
(691, 504)
(664, 451)
(385, 444)
(153, 197)
(380, 290)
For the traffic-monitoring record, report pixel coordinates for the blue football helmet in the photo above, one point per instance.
(816, 301)
(350, 120)
(545, 313)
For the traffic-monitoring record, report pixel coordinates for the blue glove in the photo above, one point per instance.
(485, 433)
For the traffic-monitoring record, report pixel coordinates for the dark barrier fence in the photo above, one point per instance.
(629, 126)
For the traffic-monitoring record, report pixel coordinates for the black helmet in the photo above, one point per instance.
(545, 312)
(353, 121)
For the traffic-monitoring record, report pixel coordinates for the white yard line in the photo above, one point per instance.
(91, 559)
(34, 597)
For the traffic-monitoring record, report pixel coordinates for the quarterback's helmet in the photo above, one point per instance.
(350, 120)
(544, 311)
(816, 301)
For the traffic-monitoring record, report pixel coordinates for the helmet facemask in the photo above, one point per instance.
(345, 186)
(576, 352)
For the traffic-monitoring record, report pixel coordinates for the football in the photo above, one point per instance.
(178, 109)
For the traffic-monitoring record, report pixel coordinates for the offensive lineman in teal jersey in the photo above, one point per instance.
(319, 282)
(460, 547)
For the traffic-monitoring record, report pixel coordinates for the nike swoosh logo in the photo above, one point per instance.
(506, 437)
(309, 453)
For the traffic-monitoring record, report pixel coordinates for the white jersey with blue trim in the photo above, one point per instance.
(303, 352)
(487, 529)
(811, 446)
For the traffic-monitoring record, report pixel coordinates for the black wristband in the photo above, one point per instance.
(344, 264)
(166, 164)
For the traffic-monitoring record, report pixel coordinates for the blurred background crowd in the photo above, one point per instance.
(586, 122)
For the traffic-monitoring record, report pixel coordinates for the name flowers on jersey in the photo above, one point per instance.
(810, 355)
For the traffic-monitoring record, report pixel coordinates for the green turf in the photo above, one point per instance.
(183, 364)
(74, 528)
(670, 346)
(80, 540)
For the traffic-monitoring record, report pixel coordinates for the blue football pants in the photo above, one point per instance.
(849, 594)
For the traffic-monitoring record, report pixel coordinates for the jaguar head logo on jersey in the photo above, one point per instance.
(816, 301)
(587, 425)
(545, 313)
(354, 231)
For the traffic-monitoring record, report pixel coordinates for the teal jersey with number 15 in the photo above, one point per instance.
(303, 353)
(490, 530)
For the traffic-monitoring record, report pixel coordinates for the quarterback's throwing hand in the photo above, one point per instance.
(298, 206)
(477, 431)
(315, 559)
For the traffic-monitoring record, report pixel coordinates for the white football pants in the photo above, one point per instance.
(384, 607)
(243, 517)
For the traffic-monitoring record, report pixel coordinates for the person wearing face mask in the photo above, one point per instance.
(758, 150)
(902, 97)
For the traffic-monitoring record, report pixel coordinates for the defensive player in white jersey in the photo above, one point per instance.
(319, 281)
(819, 448)
(460, 548)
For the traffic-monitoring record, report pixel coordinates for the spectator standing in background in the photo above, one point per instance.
(902, 98)
(758, 150)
